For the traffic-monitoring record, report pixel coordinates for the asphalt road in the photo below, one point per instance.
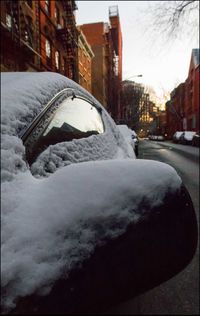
(180, 295)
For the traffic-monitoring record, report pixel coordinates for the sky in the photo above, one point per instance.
(163, 63)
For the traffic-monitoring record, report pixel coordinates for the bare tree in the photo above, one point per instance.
(173, 18)
(131, 96)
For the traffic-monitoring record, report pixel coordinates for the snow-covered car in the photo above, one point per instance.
(176, 136)
(84, 226)
(186, 137)
(136, 141)
(127, 134)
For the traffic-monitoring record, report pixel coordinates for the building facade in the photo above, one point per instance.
(85, 56)
(105, 40)
(39, 36)
(183, 107)
(191, 107)
(95, 35)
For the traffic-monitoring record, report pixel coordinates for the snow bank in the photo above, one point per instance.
(52, 224)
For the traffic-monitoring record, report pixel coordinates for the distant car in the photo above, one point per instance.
(196, 140)
(186, 137)
(176, 136)
(157, 137)
(84, 225)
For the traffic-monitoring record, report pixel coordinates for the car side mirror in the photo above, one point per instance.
(154, 247)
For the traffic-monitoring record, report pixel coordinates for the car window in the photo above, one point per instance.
(75, 118)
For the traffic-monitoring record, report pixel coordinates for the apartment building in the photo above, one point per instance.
(183, 106)
(85, 56)
(39, 36)
(105, 40)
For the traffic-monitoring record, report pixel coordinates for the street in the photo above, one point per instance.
(180, 295)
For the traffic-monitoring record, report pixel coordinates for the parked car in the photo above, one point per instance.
(84, 225)
(186, 137)
(176, 136)
(156, 137)
(136, 141)
(196, 140)
(127, 134)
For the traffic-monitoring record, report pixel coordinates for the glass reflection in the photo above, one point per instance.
(78, 114)
(74, 119)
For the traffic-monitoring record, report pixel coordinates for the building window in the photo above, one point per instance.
(8, 21)
(57, 59)
(48, 48)
(29, 2)
(47, 6)
(63, 22)
(57, 15)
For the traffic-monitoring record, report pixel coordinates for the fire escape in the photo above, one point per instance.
(21, 34)
(68, 35)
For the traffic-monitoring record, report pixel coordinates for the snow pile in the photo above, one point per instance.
(52, 224)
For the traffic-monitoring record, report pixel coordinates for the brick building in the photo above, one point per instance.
(191, 106)
(183, 107)
(85, 55)
(106, 42)
(39, 36)
(175, 110)
(94, 33)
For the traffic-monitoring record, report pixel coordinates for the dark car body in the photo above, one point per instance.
(196, 140)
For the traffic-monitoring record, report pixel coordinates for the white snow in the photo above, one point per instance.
(92, 191)
(188, 135)
(177, 135)
(50, 225)
(127, 134)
